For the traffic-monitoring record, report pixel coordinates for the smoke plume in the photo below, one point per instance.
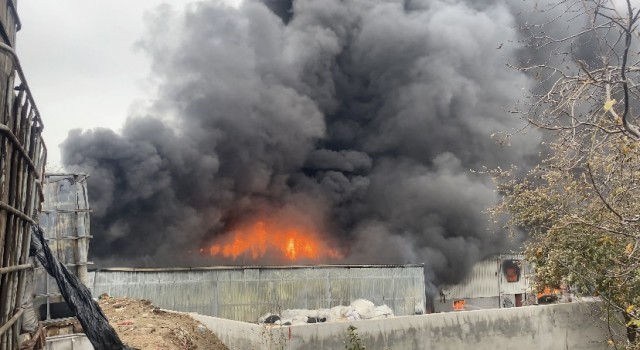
(363, 118)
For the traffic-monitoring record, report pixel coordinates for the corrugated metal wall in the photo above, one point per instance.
(487, 286)
(245, 293)
(65, 221)
(22, 160)
(487, 280)
(483, 281)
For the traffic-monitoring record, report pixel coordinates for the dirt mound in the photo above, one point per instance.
(143, 326)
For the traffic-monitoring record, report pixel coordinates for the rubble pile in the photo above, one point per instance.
(143, 326)
(359, 309)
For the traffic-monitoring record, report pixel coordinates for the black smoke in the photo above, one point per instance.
(361, 117)
(282, 8)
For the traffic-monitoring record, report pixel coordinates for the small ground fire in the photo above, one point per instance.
(264, 238)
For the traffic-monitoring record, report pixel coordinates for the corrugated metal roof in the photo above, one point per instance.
(244, 267)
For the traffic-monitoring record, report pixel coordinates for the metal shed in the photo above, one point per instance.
(243, 293)
(499, 281)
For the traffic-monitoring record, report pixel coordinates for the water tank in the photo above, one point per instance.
(65, 222)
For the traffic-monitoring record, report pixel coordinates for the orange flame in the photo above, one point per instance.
(263, 237)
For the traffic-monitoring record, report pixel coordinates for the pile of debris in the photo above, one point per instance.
(359, 309)
(143, 326)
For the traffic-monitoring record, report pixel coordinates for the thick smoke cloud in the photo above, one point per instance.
(361, 117)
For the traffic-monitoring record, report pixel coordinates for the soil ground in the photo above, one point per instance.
(144, 326)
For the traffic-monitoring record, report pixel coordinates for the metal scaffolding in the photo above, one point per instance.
(22, 160)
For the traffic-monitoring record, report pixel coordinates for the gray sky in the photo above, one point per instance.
(81, 62)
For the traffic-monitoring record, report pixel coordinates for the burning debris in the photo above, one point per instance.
(340, 132)
(267, 237)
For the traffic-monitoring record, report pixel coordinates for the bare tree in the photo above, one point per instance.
(580, 204)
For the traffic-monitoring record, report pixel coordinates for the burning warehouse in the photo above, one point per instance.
(240, 293)
(244, 293)
(498, 281)
(343, 134)
(339, 135)
(335, 133)
(318, 136)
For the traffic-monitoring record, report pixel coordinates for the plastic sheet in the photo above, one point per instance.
(29, 319)
(360, 309)
(78, 297)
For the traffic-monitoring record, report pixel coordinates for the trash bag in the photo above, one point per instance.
(383, 311)
(78, 297)
(364, 308)
(272, 319)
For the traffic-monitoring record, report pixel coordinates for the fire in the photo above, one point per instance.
(264, 237)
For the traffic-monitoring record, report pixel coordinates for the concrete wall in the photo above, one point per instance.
(246, 293)
(242, 335)
(561, 326)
